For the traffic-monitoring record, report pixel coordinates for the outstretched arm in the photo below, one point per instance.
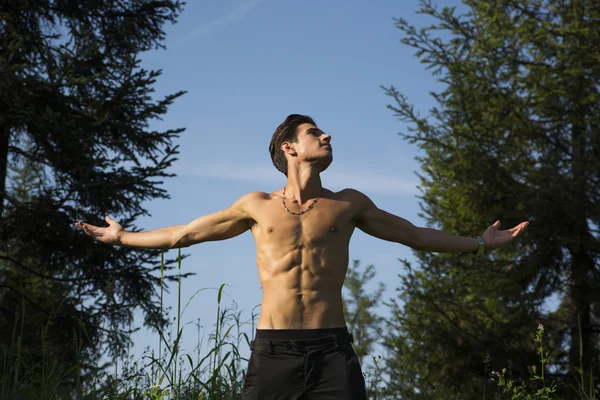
(384, 225)
(220, 225)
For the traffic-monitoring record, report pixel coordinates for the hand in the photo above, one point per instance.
(109, 235)
(495, 238)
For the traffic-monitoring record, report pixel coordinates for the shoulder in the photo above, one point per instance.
(356, 197)
(251, 199)
(245, 207)
(361, 203)
(255, 196)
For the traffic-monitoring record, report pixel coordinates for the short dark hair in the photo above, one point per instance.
(286, 132)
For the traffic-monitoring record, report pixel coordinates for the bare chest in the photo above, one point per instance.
(329, 221)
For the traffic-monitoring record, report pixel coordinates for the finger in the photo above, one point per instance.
(521, 226)
(518, 230)
(83, 227)
(496, 224)
(108, 219)
(86, 229)
(91, 231)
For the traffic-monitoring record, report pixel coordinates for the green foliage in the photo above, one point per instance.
(521, 391)
(360, 308)
(513, 137)
(169, 375)
(216, 375)
(365, 325)
(443, 328)
(75, 144)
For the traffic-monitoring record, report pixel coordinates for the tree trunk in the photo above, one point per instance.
(582, 348)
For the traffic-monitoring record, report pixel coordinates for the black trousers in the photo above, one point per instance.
(294, 364)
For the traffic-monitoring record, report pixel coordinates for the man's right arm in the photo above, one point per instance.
(155, 239)
(220, 225)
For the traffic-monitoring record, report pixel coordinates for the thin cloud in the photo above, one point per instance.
(372, 182)
(235, 15)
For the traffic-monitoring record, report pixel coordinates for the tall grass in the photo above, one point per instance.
(170, 374)
(173, 375)
(166, 374)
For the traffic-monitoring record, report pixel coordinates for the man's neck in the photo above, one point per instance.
(303, 184)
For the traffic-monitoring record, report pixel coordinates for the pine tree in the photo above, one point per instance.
(364, 323)
(76, 108)
(360, 309)
(514, 136)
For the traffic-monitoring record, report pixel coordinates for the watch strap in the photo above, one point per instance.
(480, 249)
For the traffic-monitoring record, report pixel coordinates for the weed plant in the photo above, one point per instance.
(508, 389)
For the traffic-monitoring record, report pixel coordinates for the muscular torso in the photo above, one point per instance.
(302, 260)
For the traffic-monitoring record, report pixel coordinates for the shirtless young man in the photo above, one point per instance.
(302, 349)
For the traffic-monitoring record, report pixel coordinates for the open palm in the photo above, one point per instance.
(495, 238)
(108, 235)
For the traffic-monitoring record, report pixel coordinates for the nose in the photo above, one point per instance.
(326, 138)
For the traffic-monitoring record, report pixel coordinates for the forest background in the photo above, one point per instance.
(499, 116)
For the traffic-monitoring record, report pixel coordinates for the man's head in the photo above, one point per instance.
(299, 138)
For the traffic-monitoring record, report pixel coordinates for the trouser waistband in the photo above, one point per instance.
(300, 334)
(296, 338)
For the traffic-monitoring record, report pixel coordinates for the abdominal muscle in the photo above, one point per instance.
(302, 288)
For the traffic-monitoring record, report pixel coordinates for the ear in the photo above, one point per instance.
(287, 148)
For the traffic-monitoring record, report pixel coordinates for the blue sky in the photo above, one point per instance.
(248, 64)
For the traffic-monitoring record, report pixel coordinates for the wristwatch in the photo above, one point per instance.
(481, 245)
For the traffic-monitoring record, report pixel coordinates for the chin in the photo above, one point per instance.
(326, 163)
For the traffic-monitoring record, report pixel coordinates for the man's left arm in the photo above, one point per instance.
(386, 226)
